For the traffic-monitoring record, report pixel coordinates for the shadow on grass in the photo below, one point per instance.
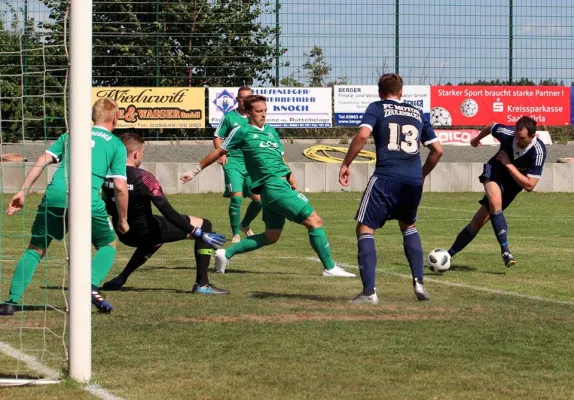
(258, 272)
(269, 295)
(153, 268)
(143, 290)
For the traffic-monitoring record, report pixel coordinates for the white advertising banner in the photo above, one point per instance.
(287, 107)
(351, 101)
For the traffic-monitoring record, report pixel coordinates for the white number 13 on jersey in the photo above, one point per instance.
(410, 144)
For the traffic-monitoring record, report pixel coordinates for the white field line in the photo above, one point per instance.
(461, 285)
(51, 374)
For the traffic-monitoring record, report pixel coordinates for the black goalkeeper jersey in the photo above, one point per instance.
(144, 190)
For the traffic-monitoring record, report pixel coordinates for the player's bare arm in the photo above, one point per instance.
(217, 144)
(355, 148)
(206, 162)
(121, 196)
(435, 153)
(17, 201)
(526, 182)
(483, 133)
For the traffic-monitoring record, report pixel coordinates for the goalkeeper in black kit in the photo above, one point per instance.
(148, 232)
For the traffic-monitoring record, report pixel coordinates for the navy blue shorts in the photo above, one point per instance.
(508, 186)
(386, 200)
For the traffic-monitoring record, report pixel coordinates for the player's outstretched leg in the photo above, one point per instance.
(250, 243)
(468, 234)
(203, 252)
(235, 215)
(414, 252)
(139, 258)
(23, 273)
(501, 231)
(320, 243)
(252, 212)
(367, 258)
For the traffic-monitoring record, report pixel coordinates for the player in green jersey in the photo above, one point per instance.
(272, 179)
(237, 180)
(108, 160)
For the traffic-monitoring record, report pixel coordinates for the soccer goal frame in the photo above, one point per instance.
(80, 221)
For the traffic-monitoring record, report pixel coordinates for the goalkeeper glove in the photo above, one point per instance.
(210, 238)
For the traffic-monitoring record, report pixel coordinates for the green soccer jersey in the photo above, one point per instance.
(263, 153)
(108, 160)
(230, 121)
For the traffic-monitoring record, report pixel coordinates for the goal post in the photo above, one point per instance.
(80, 339)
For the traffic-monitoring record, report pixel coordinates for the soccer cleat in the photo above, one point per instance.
(365, 299)
(7, 309)
(114, 284)
(338, 271)
(101, 304)
(221, 262)
(420, 290)
(235, 239)
(508, 259)
(247, 230)
(208, 289)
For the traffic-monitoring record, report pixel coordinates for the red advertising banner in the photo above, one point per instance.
(481, 105)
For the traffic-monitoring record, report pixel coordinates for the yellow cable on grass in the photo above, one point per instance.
(319, 153)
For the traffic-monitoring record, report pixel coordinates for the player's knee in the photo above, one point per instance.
(40, 251)
(206, 226)
(273, 235)
(313, 221)
(236, 200)
(113, 244)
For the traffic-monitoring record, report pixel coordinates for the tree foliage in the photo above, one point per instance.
(317, 72)
(177, 42)
(31, 80)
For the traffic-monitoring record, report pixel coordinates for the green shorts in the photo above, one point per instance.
(280, 202)
(236, 180)
(52, 223)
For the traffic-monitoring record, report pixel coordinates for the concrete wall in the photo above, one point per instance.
(311, 177)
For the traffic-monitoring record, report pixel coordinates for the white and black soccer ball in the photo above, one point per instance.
(439, 260)
(440, 116)
(469, 108)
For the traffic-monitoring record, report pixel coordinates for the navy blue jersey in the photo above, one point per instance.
(398, 129)
(529, 161)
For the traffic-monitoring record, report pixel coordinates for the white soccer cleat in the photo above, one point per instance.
(420, 292)
(247, 230)
(338, 271)
(364, 299)
(235, 239)
(221, 262)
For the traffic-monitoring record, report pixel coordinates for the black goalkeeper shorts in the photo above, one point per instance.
(159, 232)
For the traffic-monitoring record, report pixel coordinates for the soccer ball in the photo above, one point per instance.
(469, 108)
(439, 260)
(440, 117)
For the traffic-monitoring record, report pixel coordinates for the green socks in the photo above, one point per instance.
(102, 264)
(235, 213)
(23, 274)
(251, 213)
(248, 244)
(320, 244)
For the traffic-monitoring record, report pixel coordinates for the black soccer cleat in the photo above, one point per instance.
(7, 309)
(508, 259)
(207, 289)
(101, 304)
(115, 284)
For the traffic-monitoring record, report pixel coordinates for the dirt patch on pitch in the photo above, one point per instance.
(304, 317)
